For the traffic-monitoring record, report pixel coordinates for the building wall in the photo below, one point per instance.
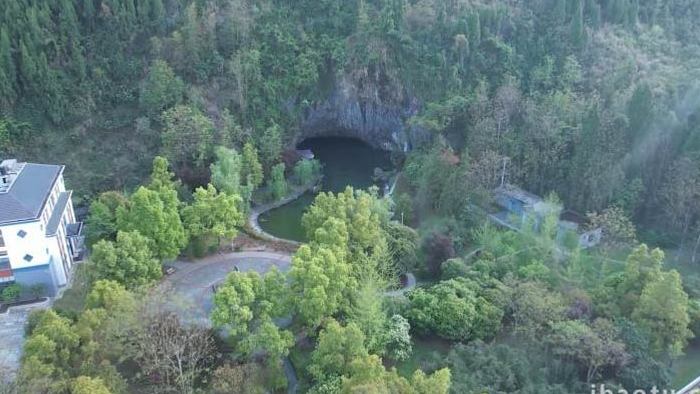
(51, 260)
(33, 244)
(40, 274)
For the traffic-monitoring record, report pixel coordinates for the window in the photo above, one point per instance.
(2, 241)
(21, 233)
(28, 257)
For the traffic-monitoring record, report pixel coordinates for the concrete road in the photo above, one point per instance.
(191, 285)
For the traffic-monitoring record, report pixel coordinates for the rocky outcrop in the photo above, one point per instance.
(359, 110)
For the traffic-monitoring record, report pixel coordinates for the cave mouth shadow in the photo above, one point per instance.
(319, 141)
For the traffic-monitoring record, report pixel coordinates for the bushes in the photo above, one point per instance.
(11, 292)
(454, 309)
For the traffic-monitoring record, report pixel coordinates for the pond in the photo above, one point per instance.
(687, 368)
(346, 162)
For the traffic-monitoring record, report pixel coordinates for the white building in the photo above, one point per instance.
(39, 236)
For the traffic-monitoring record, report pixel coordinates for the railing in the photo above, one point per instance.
(692, 387)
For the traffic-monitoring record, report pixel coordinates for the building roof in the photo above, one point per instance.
(57, 214)
(517, 193)
(28, 193)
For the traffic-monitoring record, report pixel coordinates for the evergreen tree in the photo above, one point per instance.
(7, 69)
(577, 27)
(148, 214)
(226, 171)
(663, 312)
(251, 169)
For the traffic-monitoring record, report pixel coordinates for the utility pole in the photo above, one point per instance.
(503, 171)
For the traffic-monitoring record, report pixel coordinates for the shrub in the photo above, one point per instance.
(37, 290)
(11, 292)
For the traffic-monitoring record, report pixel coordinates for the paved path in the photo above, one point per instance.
(192, 283)
(410, 283)
(191, 286)
(12, 337)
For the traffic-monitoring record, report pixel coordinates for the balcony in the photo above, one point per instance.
(76, 240)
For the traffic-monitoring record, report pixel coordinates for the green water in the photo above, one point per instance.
(346, 162)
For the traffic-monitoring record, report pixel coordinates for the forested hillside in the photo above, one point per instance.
(175, 119)
(592, 99)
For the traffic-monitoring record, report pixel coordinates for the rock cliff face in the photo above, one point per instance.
(360, 110)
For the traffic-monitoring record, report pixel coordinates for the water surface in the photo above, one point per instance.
(346, 162)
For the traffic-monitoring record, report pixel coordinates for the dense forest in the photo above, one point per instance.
(174, 116)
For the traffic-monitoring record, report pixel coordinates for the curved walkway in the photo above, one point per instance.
(410, 283)
(255, 212)
(192, 283)
(191, 287)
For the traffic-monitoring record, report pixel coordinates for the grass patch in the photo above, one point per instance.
(427, 355)
(72, 301)
(687, 368)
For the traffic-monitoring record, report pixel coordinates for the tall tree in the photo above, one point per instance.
(277, 183)
(663, 312)
(128, 261)
(226, 171)
(101, 222)
(8, 75)
(251, 169)
(270, 145)
(187, 138)
(161, 89)
(213, 214)
(320, 274)
(245, 304)
(147, 214)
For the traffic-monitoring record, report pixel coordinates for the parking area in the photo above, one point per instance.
(191, 284)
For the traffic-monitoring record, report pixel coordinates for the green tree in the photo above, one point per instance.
(213, 214)
(277, 184)
(577, 27)
(187, 137)
(51, 346)
(534, 308)
(403, 211)
(246, 303)
(663, 312)
(251, 169)
(128, 261)
(337, 348)
(367, 312)
(594, 347)
(7, 70)
(147, 214)
(306, 171)
(454, 309)
(320, 275)
(101, 222)
(398, 338)
(161, 89)
(362, 214)
(226, 171)
(618, 229)
(270, 145)
(88, 385)
(403, 244)
(161, 179)
(111, 296)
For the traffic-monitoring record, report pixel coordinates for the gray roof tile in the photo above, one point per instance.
(28, 193)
